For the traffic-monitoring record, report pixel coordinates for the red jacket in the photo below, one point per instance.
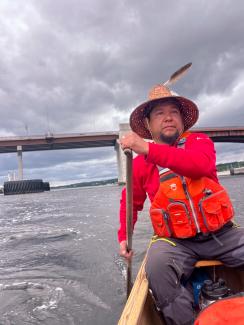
(197, 159)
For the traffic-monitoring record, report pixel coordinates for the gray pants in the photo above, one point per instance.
(169, 265)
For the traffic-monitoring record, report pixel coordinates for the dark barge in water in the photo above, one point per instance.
(25, 186)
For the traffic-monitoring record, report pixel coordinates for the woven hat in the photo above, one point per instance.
(188, 109)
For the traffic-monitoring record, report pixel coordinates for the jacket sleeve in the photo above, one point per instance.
(139, 197)
(196, 159)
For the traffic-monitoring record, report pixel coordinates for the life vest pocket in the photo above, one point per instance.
(173, 222)
(180, 220)
(216, 210)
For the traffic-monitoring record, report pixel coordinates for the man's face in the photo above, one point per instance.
(165, 123)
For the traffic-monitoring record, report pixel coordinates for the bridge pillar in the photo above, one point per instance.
(121, 158)
(20, 162)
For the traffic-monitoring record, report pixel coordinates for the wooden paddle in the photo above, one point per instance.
(129, 215)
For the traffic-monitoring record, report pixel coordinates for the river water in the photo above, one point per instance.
(59, 262)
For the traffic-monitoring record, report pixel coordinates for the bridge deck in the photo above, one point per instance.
(102, 139)
(58, 141)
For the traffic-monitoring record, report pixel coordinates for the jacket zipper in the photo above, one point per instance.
(191, 204)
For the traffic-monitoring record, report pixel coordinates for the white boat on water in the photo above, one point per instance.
(224, 173)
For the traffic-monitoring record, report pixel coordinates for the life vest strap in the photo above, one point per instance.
(168, 176)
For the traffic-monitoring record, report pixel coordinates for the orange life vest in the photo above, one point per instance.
(183, 207)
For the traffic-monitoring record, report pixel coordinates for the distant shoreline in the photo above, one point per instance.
(85, 184)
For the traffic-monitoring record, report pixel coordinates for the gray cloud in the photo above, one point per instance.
(229, 152)
(81, 66)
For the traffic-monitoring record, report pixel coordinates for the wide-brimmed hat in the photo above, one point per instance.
(188, 109)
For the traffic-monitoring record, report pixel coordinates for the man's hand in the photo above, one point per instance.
(132, 141)
(124, 252)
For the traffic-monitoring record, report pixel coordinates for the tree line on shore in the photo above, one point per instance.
(228, 166)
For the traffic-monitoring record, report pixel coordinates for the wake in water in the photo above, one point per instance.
(36, 302)
(122, 266)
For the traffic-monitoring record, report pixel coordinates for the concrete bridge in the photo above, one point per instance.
(102, 139)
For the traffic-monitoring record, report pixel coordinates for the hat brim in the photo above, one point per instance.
(188, 109)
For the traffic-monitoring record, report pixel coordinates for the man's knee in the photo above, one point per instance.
(167, 289)
(164, 270)
(165, 274)
(164, 277)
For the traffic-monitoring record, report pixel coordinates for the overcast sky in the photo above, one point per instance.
(71, 66)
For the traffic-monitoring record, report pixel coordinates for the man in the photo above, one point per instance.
(191, 212)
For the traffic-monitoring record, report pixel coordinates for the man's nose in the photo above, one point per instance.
(168, 117)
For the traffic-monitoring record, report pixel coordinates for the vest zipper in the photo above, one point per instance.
(166, 220)
(191, 204)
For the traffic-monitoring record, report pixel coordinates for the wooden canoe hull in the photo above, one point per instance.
(140, 308)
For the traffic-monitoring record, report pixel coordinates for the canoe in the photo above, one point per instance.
(140, 308)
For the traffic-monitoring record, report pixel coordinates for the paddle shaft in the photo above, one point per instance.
(129, 215)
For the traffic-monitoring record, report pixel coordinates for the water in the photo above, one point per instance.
(59, 262)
